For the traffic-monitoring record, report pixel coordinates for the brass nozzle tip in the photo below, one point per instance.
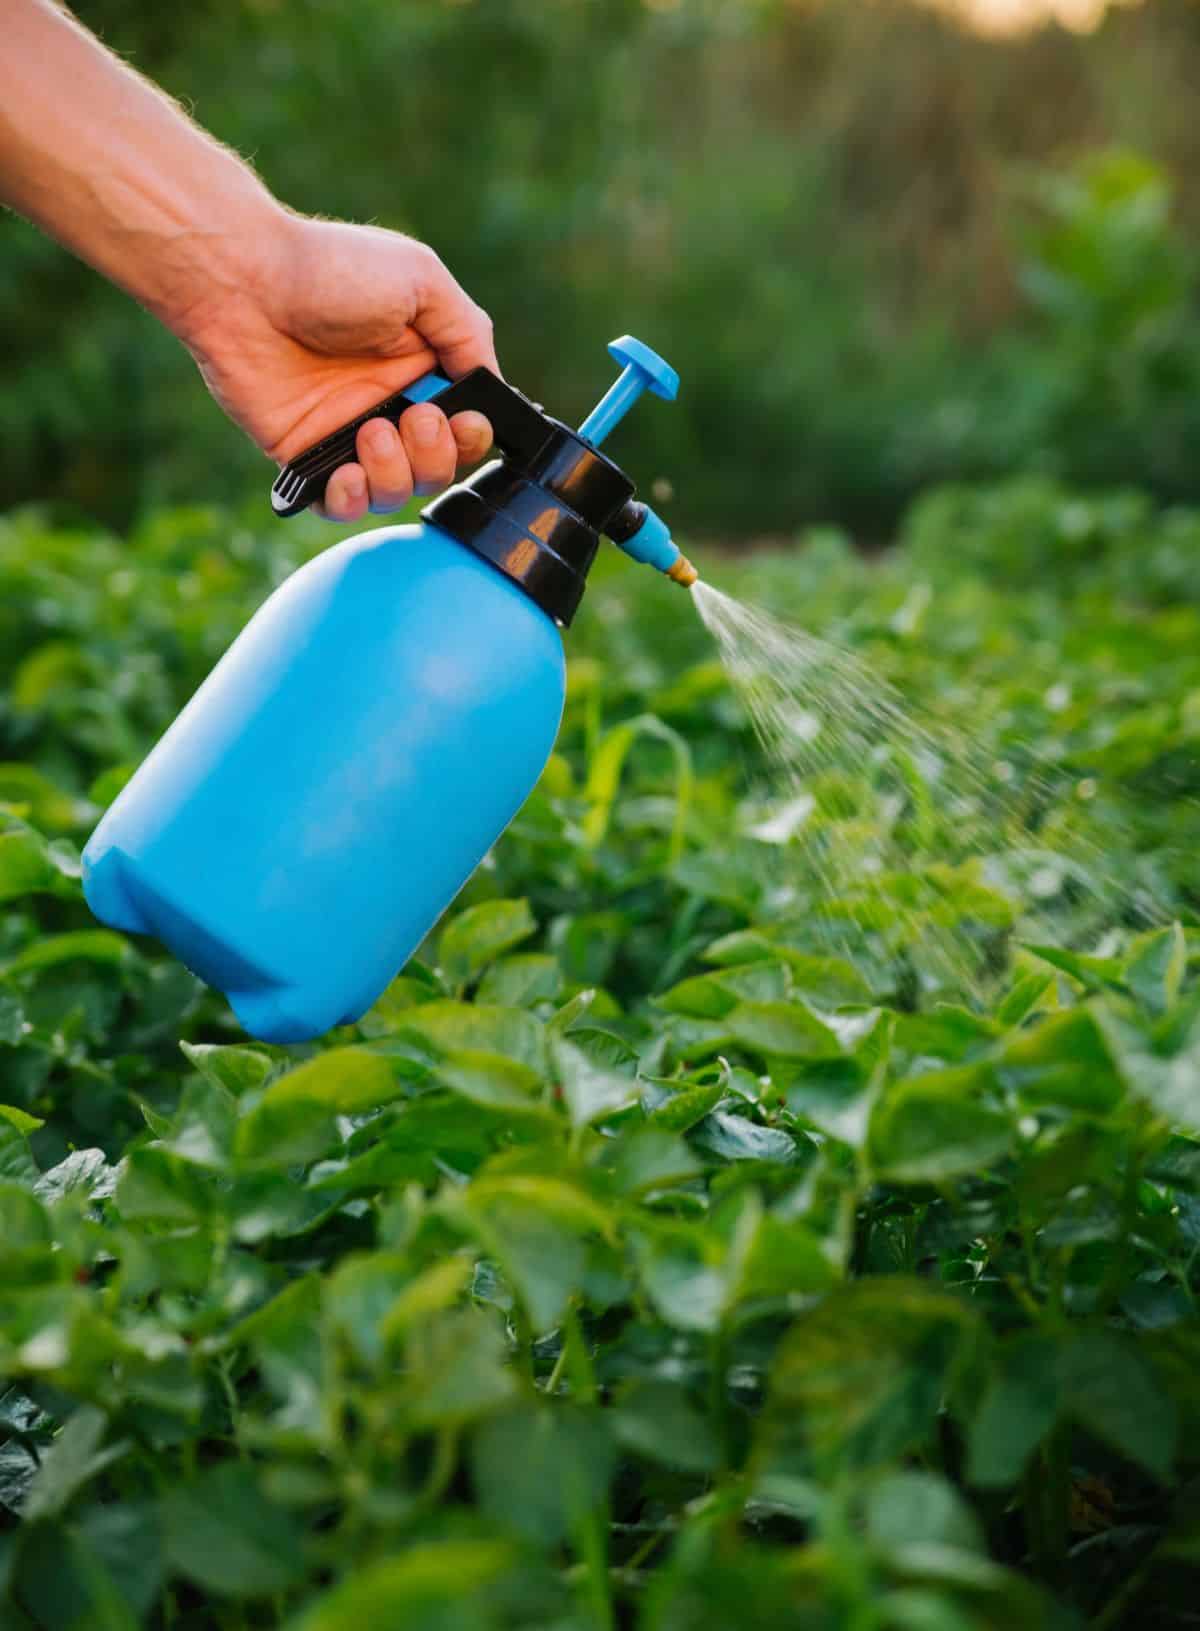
(683, 572)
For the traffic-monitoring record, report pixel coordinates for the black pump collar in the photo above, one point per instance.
(537, 512)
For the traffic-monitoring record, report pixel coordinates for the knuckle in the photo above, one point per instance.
(429, 265)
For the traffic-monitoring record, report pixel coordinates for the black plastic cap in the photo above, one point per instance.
(539, 521)
(536, 513)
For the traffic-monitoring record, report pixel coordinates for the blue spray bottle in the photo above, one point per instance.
(378, 723)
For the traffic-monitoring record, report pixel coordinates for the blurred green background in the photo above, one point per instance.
(881, 248)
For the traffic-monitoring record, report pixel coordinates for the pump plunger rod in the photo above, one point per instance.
(644, 370)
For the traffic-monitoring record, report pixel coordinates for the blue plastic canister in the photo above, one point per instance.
(334, 782)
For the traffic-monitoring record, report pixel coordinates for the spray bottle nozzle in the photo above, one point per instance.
(636, 529)
(645, 536)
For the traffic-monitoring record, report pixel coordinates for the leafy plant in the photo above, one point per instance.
(644, 1257)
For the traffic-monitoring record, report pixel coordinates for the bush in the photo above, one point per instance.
(639, 1259)
(814, 211)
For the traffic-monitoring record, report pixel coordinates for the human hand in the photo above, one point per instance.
(327, 320)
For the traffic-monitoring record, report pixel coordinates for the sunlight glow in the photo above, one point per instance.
(1018, 16)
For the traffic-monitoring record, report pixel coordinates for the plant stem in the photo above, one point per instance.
(524, 1334)
(560, 1364)
(718, 1395)
(592, 1540)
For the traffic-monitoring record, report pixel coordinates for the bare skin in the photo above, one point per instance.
(296, 324)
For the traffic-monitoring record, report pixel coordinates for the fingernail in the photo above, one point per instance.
(354, 485)
(425, 428)
(476, 431)
(381, 439)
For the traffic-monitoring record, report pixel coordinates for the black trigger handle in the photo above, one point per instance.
(520, 430)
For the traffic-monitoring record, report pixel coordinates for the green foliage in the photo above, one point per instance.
(822, 213)
(663, 1250)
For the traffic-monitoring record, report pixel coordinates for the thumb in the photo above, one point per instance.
(451, 324)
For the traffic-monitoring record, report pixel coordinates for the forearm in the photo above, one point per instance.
(112, 168)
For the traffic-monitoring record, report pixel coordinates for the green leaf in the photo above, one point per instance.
(154, 1184)
(73, 1460)
(1168, 1080)
(204, 1125)
(83, 1171)
(284, 1338)
(604, 779)
(687, 1107)
(16, 1161)
(1154, 968)
(238, 1070)
(569, 1015)
(24, 865)
(289, 1134)
(41, 802)
(713, 996)
(345, 1081)
(1111, 1391)
(20, 1119)
(537, 1228)
(835, 1095)
(23, 1220)
(541, 1471)
(460, 1027)
(80, 945)
(12, 1019)
(789, 1029)
(1024, 999)
(929, 1129)
(917, 1608)
(775, 1258)
(863, 1375)
(361, 1292)
(125, 1541)
(1063, 1061)
(656, 1420)
(907, 1511)
(683, 1273)
(430, 1584)
(519, 982)
(945, 1032)
(1093, 973)
(457, 1368)
(591, 1091)
(826, 981)
(736, 1138)
(101, 1568)
(293, 1121)
(652, 1158)
(437, 1289)
(1019, 1407)
(496, 1083)
(705, 996)
(477, 936)
(226, 1537)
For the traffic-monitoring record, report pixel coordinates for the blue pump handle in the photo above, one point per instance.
(644, 370)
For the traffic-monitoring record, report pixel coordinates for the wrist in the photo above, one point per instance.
(209, 274)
